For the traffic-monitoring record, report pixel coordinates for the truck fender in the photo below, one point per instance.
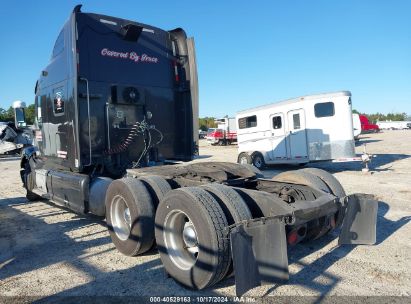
(26, 153)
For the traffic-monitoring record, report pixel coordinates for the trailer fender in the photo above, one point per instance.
(26, 154)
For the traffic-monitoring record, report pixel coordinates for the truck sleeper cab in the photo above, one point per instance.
(108, 82)
(109, 107)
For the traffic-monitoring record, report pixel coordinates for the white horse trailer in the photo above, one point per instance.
(297, 131)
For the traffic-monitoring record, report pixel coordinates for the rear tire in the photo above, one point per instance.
(158, 187)
(191, 239)
(332, 183)
(302, 178)
(130, 216)
(233, 205)
(318, 227)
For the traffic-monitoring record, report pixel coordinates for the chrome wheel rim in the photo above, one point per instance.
(120, 218)
(180, 238)
(243, 160)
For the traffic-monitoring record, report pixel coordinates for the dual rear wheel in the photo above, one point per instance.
(191, 233)
(188, 226)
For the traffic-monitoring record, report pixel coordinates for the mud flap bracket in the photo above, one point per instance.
(259, 251)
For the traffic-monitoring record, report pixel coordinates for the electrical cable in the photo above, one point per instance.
(139, 128)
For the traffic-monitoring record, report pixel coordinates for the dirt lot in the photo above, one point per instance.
(48, 251)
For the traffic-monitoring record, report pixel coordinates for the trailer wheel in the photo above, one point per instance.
(130, 216)
(158, 187)
(303, 178)
(244, 158)
(190, 237)
(332, 183)
(258, 160)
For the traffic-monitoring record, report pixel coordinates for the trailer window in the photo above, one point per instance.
(277, 123)
(296, 121)
(59, 45)
(247, 122)
(324, 109)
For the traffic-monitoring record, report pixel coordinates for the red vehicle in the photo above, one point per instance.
(224, 134)
(366, 126)
(220, 137)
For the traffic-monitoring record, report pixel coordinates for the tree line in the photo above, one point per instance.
(207, 122)
(384, 117)
(8, 115)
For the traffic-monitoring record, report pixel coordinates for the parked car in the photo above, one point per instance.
(202, 134)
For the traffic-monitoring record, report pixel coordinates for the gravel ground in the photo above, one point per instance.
(48, 251)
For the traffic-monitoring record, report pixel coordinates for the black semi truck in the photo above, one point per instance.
(116, 118)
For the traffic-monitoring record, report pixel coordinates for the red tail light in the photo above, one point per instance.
(292, 237)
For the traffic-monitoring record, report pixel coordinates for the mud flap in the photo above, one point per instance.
(259, 251)
(360, 220)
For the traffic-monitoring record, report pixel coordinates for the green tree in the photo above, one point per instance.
(207, 122)
(373, 118)
(30, 113)
(8, 115)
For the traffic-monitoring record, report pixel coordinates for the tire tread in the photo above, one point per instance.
(159, 185)
(219, 222)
